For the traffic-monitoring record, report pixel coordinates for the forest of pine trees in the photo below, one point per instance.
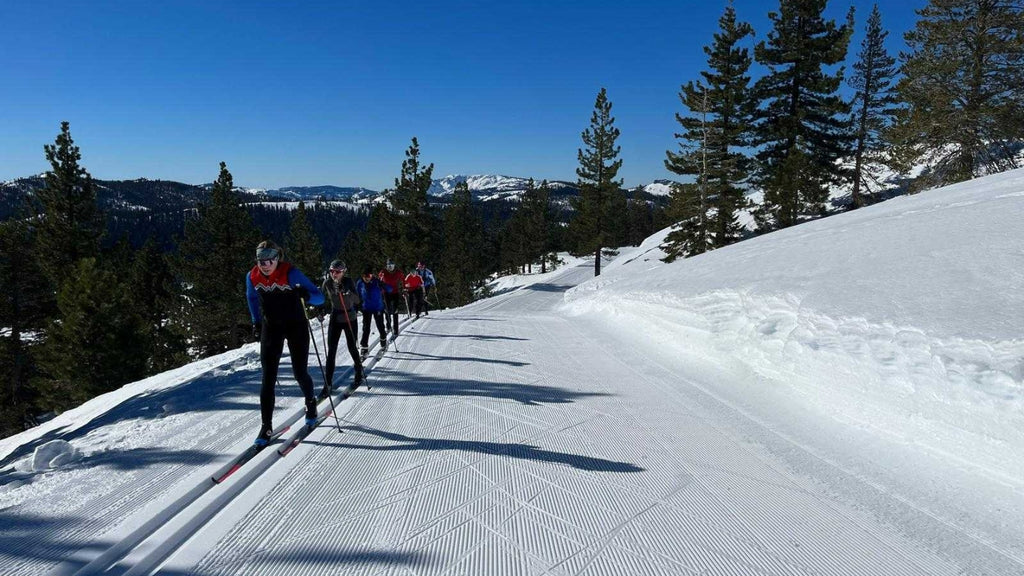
(82, 315)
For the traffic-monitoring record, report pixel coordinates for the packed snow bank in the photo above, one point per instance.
(902, 318)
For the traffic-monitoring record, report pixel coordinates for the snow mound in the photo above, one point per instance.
(50, 456)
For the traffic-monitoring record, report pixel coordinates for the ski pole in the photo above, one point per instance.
(352, 332)
(323, 373)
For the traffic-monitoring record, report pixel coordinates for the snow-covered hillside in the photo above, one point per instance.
(841, 397)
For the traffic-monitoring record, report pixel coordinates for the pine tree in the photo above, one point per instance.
(718, 129)
(640, 222)
(23, 308)
(302, 246)
(215, 255)
(599, 165)
(962, 85)
(154, 301)
(690, 204)
(71, 225)
(873, 78)
(540, 221)
(413, 216)
(93, 348)
(802, 127)
(462, 267)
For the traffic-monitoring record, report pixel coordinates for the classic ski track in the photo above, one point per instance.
(133, 493)
(154, 488)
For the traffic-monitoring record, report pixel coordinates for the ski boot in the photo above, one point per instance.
(264, 437)
(311, 412)
(358, 381)
(363, 353)
(384, 343)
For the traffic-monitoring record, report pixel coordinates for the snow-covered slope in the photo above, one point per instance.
(841, 397)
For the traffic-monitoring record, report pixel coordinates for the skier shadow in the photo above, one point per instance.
(39, 538)
(521, 451)
(220, 389)
(398, 383)
(433, 358)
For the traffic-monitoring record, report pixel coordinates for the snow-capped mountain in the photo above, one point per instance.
(659, 188)
(486, 187)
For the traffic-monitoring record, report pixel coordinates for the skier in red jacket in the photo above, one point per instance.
(393, 277)
(414, 286)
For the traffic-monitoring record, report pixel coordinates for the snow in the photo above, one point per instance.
(841, 397)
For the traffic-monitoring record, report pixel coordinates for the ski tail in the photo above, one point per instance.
(249, 453)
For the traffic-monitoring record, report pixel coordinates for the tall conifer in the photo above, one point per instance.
(716, 132)
(71, 225)
(302, 246)
(462, 267)
(412, 213)
(874, 103)
(215, 255)
(599, 165)
(963, 86)
(803, 127)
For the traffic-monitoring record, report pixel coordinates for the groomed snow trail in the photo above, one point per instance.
(505, 438)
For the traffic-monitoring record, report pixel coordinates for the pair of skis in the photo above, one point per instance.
(294, 440)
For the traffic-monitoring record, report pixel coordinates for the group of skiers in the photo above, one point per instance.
(279, 294)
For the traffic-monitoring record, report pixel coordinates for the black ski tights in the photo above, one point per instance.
(379, 318)
(272, 339)
(350, 325)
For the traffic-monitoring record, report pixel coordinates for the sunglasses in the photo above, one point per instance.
(337, 270)
(266, 261)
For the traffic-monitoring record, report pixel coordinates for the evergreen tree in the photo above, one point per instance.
(599, 165)
(24, 302)
(215, 255)
(302, 246)
(71, 224)
(93, 348)
(962, 86)
(540, 222)
(380, 241)
(873, 77)
(802, 126)
(718, 128)
(151, 283)
(640, 221)
(462, 267)
(690, 203)
(414, 219)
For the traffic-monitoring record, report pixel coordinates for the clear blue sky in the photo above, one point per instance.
(299, 92)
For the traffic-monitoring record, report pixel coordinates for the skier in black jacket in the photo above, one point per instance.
(275, 290)
(344, 300)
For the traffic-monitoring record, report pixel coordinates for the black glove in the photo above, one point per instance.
(302, 292)
(257, 330)
(320, 314)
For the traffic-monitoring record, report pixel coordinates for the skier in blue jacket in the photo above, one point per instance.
(275, 291)
(371, 290)
(428, 285)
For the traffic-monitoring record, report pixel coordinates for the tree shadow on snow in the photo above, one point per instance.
(470, 336)
(544, 287)
(322, 555)
(39, 538)
(521, 451)
(386, 381)
(220, 389)
(431, 357)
